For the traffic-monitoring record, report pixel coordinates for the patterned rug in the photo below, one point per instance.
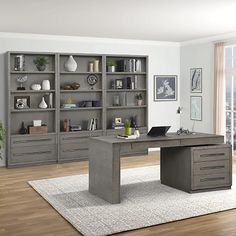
(145, 202)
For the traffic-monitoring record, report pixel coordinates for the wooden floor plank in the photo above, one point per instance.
(23, 212)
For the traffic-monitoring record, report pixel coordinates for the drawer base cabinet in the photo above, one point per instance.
(76, 109)
(32, 150)
(196, 169)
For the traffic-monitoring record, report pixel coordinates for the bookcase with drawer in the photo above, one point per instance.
(195, 169)
(57, 145)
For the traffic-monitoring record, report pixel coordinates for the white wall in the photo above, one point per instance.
(164, 58)
(197, 56)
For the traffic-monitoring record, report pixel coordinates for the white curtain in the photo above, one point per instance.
(219, 87)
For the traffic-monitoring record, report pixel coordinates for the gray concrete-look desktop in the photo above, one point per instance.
(192, 163)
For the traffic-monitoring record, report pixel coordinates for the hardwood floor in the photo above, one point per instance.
(23, 212)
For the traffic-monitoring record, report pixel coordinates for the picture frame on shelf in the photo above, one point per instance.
(119, 84)
(21, 102)
(196, 80)
(196, 108)
(165, 88)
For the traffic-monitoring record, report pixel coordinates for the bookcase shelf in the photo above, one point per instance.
(33, 91)
(81, 108)
(58, 145)
(126, 73)
(81, 91)
(127, 107)
(79, 73)
(32, 72)
(126, 90)
(33, 110)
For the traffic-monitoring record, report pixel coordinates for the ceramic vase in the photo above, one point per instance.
(96, 66)
(41, 67)
(43, 104)
(70, 64)
(140, 102)
(46, 85)
(23, 130)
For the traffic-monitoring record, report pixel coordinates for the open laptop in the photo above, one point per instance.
(158, 131)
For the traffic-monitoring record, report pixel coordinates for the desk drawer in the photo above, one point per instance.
(144, 146)
(211, 181)
(212, 153)
(211, 167)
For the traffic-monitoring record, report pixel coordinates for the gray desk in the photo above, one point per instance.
(188, 162)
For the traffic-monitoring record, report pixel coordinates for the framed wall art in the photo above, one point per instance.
(165, 87)
(196, 108)
(196, 80)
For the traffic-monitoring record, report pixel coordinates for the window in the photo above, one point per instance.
(230, 95)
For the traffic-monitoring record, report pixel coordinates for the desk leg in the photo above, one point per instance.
(104, 170)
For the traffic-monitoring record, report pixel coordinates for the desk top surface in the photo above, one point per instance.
(145, 138)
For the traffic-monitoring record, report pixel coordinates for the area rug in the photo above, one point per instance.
(145, 202)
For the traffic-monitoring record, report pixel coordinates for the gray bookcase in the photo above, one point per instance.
(93, 102)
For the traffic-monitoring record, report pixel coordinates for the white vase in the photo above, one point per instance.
(43, 104)
(46, 85)
(70, 64)
(140, 102)
(96, 66)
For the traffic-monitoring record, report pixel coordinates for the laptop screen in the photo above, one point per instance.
(158, 131)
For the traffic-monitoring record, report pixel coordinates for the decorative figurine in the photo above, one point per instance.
(21, 80)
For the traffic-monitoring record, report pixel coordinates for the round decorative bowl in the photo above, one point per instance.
(36, 86)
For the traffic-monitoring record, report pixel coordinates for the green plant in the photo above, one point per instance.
(127, 123)
(139, 96)
(41, 61)
(111, 63)
(2, 135)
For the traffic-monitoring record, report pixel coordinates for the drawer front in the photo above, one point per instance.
(211, 154)
(78, 143)
(37, 140)
(33, 154)
(211, 181)
(202, 141)
(211, 167)
(78, 137)
(144, 146)
(73, 151)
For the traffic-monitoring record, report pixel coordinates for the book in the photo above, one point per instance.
(126, 136)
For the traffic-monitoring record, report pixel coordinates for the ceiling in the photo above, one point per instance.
(159, 20)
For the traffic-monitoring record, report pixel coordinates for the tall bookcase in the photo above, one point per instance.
(58, 145)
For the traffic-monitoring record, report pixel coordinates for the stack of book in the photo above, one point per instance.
(69, 105)
(131, 83)
(118, 126)
(92, 124)
(75, 128)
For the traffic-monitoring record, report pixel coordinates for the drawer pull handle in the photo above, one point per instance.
(212, 179)
(212, 154)
(33, 140)
(32, 153)
(212, 167)
(74, 138)
(70, 138)
(75, 150)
